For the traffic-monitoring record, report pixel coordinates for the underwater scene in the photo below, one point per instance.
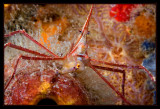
(80, 54)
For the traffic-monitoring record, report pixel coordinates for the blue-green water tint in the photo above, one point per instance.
(150, 64)
(148, 46)
(154, 100)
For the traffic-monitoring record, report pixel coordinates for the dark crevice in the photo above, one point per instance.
(46, 101)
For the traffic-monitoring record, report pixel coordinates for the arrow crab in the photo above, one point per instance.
(102, 66)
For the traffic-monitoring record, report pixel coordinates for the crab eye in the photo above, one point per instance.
(78, 65)
(80, 31)
(87, 32)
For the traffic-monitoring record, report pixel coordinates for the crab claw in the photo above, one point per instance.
(85, 26)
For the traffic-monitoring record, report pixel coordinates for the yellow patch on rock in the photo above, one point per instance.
(44, 87)
(6, 5)
(69, 101)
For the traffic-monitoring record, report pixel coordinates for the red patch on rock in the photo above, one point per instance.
(121, 12)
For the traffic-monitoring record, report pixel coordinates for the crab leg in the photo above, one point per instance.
(115, 70)
(108, 69)
(28, 36)
(121, 95)
(41, 58)
(15, 67)
(83, 32)
(29, 58)
(24, 49)
(127, 66)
